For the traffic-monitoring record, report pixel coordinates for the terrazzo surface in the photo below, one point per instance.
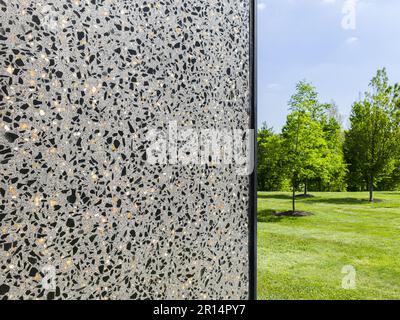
(83, 215)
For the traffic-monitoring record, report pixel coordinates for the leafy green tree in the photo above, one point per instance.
(336, 169)
(372, 141)
(270, 170)
(306, 149)
(391, 177)
(305, 100)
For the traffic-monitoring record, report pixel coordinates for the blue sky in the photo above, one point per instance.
(304, 39)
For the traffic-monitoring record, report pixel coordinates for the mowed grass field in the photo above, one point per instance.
(302, 257)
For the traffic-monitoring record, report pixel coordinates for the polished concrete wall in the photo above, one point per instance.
(83, 212)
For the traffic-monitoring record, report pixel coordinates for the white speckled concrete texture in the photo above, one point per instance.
(81, 84)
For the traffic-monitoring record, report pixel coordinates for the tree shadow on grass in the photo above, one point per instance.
(304, 196)
(285, 196)
(346, 200)
(268, 215)
(274, 196)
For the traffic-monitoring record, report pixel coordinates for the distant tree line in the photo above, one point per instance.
(313, 152)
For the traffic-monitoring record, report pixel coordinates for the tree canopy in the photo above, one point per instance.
(373, 138)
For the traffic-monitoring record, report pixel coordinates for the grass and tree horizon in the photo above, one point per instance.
(314, 152)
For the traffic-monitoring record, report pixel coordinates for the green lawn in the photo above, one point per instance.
(302, 258)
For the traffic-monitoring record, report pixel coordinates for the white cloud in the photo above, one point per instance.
(328, 1)
(351, 40)
(261, 6)
(272, 86)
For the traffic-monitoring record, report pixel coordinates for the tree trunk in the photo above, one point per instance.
(305, 187)
(294, 194)
(371, 188)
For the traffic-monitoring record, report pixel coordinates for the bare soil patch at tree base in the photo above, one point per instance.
(293, 214)
(304, 196)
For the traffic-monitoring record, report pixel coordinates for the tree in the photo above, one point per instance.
(391, 178)
(304, 142)
(335, 179)
(372, 141)
(270, 169)
(306, 149)
(333, 113)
